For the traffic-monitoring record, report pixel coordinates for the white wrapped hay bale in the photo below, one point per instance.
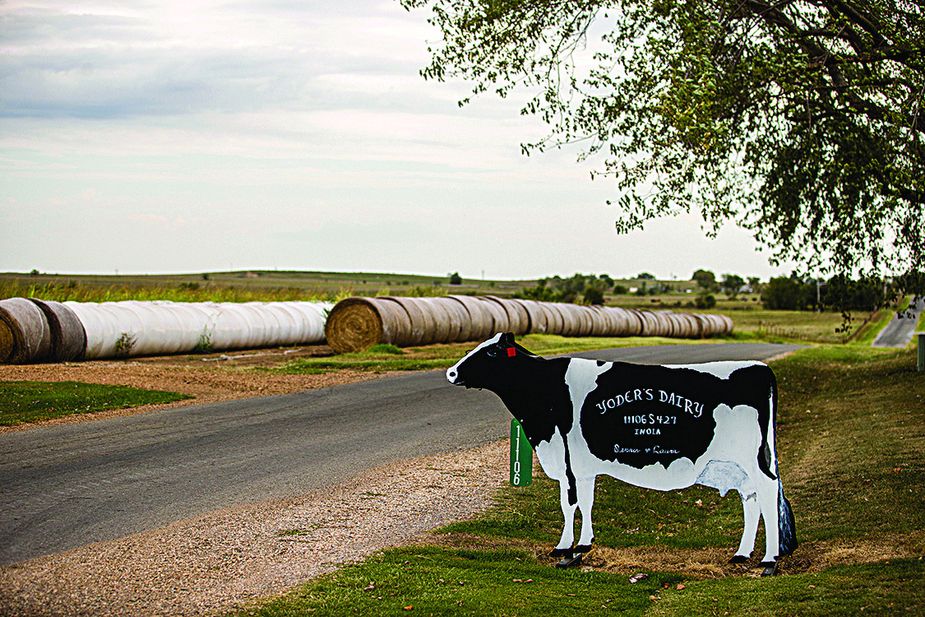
(133, 328)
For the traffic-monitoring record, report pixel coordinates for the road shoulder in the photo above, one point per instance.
(225, 559)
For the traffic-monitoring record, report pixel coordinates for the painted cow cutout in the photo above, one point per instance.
(661, 427)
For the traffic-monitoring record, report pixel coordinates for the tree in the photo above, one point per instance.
(731, 285)
(645, 276)
(594, 294)
(788, 293)
(455, 279)
(801, 120)
(705, 279)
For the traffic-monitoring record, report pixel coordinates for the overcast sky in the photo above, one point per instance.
(189, 136)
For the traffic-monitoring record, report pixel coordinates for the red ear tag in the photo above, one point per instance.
(511, 352)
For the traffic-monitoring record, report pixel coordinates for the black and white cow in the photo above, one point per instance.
(660, 427)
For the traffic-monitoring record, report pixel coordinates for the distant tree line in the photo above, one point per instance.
(583, 288)
(838, 293)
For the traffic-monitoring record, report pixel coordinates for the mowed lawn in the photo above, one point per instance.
(31, 401)
(851, 432)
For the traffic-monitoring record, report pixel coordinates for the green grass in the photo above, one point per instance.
(434, 581)
(891, 587)
(851, 430)
(22, 402)
(381, 358)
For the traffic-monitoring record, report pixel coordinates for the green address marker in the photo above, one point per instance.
(521, 456)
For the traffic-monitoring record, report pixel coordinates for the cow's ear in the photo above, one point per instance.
(507, 338)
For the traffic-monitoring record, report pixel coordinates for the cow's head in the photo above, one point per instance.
(489, 364)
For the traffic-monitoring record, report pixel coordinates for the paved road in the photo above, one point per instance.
(899, 331)
(69, 485)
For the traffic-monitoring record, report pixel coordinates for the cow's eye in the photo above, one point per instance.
(492, 353)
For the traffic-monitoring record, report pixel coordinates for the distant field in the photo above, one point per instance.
(750, 319)
(247, 286)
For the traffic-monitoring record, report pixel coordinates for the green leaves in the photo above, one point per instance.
(802, 121)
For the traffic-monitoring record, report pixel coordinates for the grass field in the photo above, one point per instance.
(851, 431)
(31, 401)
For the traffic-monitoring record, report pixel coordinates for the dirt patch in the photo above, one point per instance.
(207, 378)
(707, 563)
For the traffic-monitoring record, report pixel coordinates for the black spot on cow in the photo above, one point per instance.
(641, 415)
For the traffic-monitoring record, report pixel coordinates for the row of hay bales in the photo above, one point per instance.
(356, 324)
(33, 330)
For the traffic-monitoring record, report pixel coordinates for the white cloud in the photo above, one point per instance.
(178, 136)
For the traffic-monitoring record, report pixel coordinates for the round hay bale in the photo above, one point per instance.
(421, 324)
(536, 318)
(480, 319)
(668, 323)
(665, 325)
(600, 321)
(430, 326)
(516, 315)
(6, 342)
(611, 320)
(444, 327)
(624, 322)
(355, 324)
(586, 318)
(716, 325)
(555, 323)
(68, 337)
(605, 321)
(648, 323)
(696, 328)
(28, 329)
(523, 318)
(499, 319)
(460, 327)
(570, 320)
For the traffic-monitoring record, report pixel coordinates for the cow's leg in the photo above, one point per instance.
(585, 503)
(767, 501)
(747, 543)
(568, 530)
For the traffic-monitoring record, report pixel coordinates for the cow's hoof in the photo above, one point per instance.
(739, 559)
(770, 568)
(583, 548)
(561, 552)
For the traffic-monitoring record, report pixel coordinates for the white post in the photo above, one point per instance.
(921, 362)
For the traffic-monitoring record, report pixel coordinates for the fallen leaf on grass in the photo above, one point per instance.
(410, 607)
(679, 586)
(638, 577)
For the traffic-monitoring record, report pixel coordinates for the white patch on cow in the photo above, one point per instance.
(723, 476)
(581, 379)
(454, 370)
(719, 369)
(552, 456)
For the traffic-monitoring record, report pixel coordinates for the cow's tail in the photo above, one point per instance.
(786, 526)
